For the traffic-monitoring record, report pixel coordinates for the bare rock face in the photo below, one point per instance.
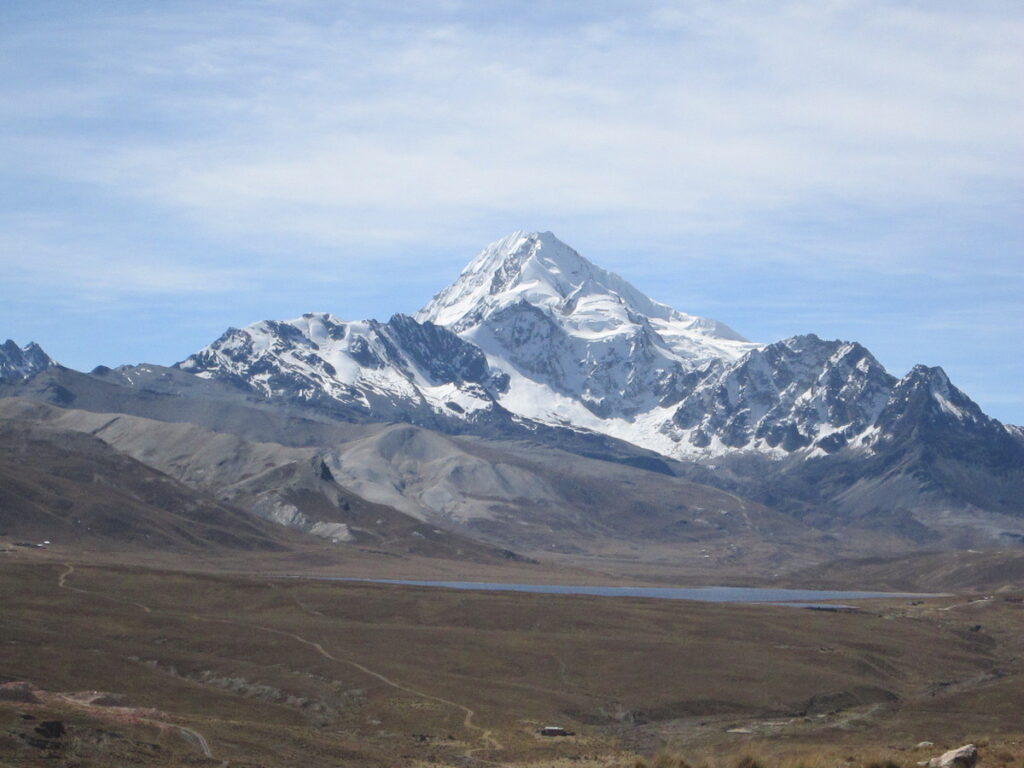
(963, 757)
(401, 370)
(20, 363)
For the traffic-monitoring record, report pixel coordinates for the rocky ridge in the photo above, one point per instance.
(532, 330)
(20, 363)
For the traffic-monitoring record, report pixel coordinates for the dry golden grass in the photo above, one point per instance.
(281, 672)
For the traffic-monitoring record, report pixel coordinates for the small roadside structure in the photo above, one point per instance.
(554, 730)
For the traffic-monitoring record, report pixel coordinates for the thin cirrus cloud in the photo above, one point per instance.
(806, 142)
(724, 106)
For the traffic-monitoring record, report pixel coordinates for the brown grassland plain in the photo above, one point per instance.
(252, 670)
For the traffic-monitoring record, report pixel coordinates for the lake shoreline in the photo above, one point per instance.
(802, 598)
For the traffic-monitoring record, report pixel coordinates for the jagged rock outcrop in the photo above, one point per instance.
(401, 370)
(19, 363)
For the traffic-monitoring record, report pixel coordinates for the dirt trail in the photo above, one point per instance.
(969, 602)
(487, 737)
(191, 734)
(69, 569)
(200, 740)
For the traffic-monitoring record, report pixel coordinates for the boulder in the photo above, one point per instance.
(963, 757)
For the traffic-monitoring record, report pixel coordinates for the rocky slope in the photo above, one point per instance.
(20, 363)
(401, 370)
(408, 489)
(283, 486)
(72, 488)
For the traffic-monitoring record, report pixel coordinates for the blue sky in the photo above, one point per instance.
(853, 169)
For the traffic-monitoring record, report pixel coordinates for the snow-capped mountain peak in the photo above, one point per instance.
(575, 339)
(539, 269)
(401, 369)
(17, 363)
(533, 333)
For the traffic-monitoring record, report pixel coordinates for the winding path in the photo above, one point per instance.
(200, 740)
(985, 599)
(486, 735)
(69, 569)
(191, 734)
(487, 738)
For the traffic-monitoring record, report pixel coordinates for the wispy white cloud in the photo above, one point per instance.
(696, 116)
(91, 271)
(832, 154)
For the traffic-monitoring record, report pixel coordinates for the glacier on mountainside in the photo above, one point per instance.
(531, 330)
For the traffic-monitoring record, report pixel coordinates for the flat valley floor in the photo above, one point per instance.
(163, 666)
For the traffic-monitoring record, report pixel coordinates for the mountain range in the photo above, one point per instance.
(536, 366)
